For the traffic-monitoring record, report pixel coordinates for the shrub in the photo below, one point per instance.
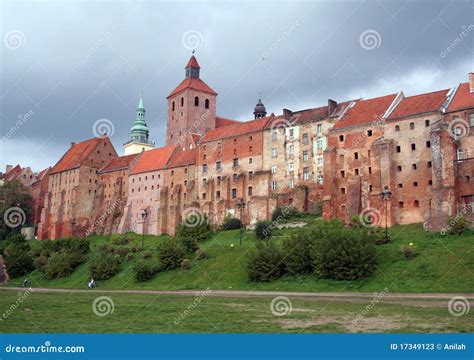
(190, 244)
(170, 253)
(144, 271)
(146, 254)
(265, 263)
(40, 262)
(317, 208)
(120, 251)
(283, 212)
(298, 253)
(457, 225)
(119, 240)
(195, 226)
(130, 256)
(58, 265)
(342, 253)
(185, 264)
(105, 248)
(409, 251)
(202, 254)
(104, 265)
(263, 230)
(231, 223)
(78, 245)
(18, 260)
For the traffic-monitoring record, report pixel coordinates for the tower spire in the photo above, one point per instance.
(139, 132)
(192, 68)
(259, 110)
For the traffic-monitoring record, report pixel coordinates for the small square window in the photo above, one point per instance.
(369, 132)
(341, 137)
(427, 123)
(415, 183)
(399, 149)
(400, 185)
(429, 164)
(356, 155)
(428, 144)
(413, 166)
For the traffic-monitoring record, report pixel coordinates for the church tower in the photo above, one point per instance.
(191, 107)
(138, 133)
(259, 110)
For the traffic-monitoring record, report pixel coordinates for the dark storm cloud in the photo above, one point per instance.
(75, 63)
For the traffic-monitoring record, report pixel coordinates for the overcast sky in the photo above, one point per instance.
(65, 65)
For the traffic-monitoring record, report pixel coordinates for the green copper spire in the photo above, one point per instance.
(139, 131)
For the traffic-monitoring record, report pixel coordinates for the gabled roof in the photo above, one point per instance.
(319, 113)
(13, 173)
(221, 122)
(192, 83)
(420, 104)
(365, 111)
(41, 175)
(462, 99)
(152, 160)
(118, 163)
(76, 154)
(240, 128)
(183, 158)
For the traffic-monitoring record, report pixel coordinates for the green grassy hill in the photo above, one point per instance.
(444, 264)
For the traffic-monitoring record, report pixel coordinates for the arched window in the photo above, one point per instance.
(182, 101)
(196, 101)
(206, 103)
(397, 127)
(172, 106)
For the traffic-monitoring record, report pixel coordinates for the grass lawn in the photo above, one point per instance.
(444, 264)
(67, 312)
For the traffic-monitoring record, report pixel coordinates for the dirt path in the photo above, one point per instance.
(410, 299)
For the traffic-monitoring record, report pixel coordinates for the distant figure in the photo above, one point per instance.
(26, 282)
(91, 284)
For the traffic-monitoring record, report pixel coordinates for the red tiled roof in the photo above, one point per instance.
(118, 163)
(462, 99)
(236, 129)
(152, 160)
(192, 83)
(221, 122)
(365, 111)
(182, 158)
(193, 63)
(13, 173)
(419, 104)
(41, 175)
(75, 155)
(319, 113)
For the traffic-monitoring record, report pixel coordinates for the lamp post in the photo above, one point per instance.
(73, 226)
(144, 216)
(241, 206)
(385, 195)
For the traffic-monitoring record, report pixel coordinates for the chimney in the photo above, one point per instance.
(72, 144)
(287, 114)
(332, 106)
(8, 168)
(471, 82)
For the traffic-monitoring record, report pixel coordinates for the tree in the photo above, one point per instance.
(17, 208)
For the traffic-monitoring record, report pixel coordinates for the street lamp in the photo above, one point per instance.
(385, 195)
(241, 206)
(73, 226)
(144, 216)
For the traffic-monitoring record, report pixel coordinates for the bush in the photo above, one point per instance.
(190, 244)
(104, 265)
(263, 230)
(146, 254)
(185, 264)
(105, 248)
(409, 251)
(265, 263)
(40, 263)
(283, 212)
(130, 256)
(298, 253)
(231, 223)
(119, 240)
(195, 226)
(202, 254)
(58, 265)
(170, 253)
(342, 253)
(457, 225)
(317, 208)
(18, 260)
(80, 245)
(144, 271)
